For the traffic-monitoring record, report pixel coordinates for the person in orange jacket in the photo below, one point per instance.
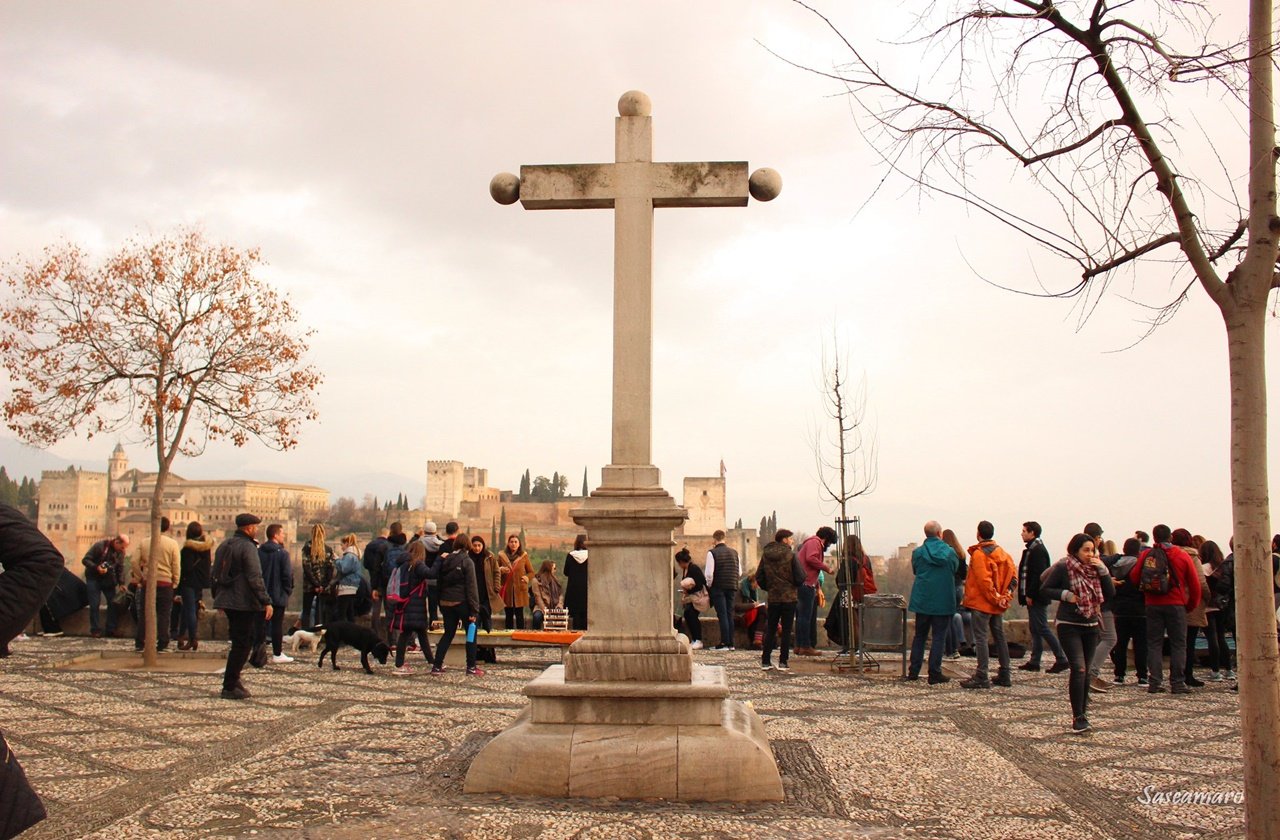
(988, 591)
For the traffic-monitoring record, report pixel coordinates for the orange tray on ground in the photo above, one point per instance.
(547, 637)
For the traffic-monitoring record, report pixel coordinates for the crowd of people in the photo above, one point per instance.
(1168, 587)
(1116, 608)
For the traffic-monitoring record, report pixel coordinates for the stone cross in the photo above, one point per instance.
(633, 185)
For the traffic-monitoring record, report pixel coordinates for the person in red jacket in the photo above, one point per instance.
(1167, 613)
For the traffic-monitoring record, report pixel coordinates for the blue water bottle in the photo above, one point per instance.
(471, 632)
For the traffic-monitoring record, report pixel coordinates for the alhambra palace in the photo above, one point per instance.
(79, 507)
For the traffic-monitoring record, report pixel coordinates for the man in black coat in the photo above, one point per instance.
(1035, 559)
(29, 567)
(239, 592)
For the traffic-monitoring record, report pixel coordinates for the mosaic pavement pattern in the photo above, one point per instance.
(323, 754)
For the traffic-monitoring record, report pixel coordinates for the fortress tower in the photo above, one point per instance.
(445, 484)
(704, 499)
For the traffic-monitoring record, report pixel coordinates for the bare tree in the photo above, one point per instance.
(843, 452)
(176, 337)
(1076, 98)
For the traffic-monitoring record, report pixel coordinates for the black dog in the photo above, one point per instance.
(361, 638)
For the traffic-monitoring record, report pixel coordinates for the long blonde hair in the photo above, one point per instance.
(317, 541)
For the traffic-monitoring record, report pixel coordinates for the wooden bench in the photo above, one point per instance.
(506, 639)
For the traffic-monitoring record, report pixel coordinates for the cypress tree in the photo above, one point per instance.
(584, 483)
(555, 486)
(493, 530)
(502, 529)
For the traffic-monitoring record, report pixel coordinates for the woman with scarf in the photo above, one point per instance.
(575, 590)
(517, 572)
(317, 574)
(547, 593)
(1080, 582)
(488, 580)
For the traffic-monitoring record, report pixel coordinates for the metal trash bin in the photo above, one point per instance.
(884, 625)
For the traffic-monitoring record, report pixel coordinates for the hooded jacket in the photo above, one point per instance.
(778, 562)
(987, 588)
(277, 572)
(196, 558)
(934, 591)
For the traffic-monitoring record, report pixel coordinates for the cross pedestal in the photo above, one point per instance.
(629, 714)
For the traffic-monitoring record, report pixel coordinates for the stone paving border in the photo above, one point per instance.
(319, 754)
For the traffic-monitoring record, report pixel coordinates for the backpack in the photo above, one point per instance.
(1157, 572)
(398, 593)
(391, 561)
(451, 570)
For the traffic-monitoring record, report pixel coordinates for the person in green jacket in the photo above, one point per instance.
(933, 600)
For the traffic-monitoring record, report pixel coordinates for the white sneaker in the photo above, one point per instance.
(766, 667)
(696, 645)
(1214, 676)
(282, 659)
(1229, 674)
(403, 671)
(782, 666)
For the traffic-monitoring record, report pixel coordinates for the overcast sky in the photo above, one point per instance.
(354, 143)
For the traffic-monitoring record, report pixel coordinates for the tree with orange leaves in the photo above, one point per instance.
(175, 336)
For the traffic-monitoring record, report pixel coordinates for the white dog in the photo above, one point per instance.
(298, 638)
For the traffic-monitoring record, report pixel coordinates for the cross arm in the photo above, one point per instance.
(716, 184)
(578, 186)
(569, 186)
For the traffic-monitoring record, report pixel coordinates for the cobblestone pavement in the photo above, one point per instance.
(323, 754)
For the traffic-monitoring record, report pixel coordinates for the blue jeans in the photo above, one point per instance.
(1038, 622)
(806, 607)
(929, 625)
(189, 612)
(722, 600)
(96, 591)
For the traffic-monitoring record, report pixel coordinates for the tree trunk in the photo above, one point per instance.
(1256, 649)
(1245, 314)
(149, 628)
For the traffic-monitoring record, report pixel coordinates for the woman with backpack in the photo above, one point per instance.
(347, 577)
(1080, 582)
(459, 604)
(408, 593)
(516, 570)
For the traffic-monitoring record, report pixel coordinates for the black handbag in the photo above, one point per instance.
(258, 658)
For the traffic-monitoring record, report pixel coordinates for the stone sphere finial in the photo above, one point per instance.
(765, 184)
(634, 103)
(505, 188)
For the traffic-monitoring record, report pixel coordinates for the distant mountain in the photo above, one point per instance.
(19, 460)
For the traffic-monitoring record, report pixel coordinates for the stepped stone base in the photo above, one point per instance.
(631, 740)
